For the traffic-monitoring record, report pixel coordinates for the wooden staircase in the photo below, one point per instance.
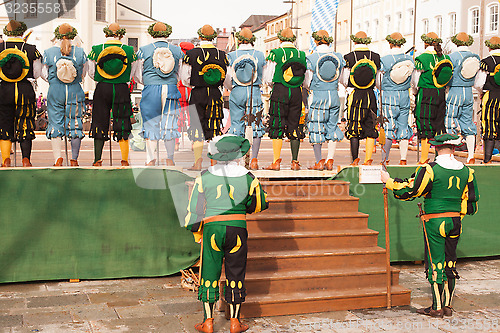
(312, 251)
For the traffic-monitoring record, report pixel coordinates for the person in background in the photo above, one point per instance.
(158, 71)
(65, 66)
(112, 65)
(460, 99)
(20, 65)
(322, 79)
(243, 80)
(394, 82)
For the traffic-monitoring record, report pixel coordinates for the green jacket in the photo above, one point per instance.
(215, 194)
(283, 56)
(426, 63)
(444, 190)
(129, 52)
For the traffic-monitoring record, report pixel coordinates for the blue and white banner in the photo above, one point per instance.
(323, 17)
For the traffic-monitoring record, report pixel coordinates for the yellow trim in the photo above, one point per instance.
(231, 191)
(442, 230)
(214, 244)
(15, 39)
(219, 191)
(105, 52)
(447, 297)
(438, 297)
(19, 53)
(253, 186)
(428, 176)
(360, 62)
(434, 79)
(208, 46)
(238, 245)
(390, 184)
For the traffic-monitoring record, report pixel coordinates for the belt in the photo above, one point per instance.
(223, 218)
(427, 217)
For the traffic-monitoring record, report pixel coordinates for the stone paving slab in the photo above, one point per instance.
(161, 305)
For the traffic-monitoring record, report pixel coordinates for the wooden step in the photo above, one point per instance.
(268, 222)
(312, 240)
(266, 283)
(300, 188)
(312, 205)
(368, 257)
(321, 301)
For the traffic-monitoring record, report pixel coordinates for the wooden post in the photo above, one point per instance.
(387, 247)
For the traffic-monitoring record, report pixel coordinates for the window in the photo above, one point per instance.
(375, 29)
(474, 20)
(410, 20)
(31, 10)
(100, 10)
(358, 28)
(493, 26)
(399, 18)
(439, 25)
(134, 42)
(388, 25)
(425, 23)
(67, 9)
(453, 24)
(367, 28)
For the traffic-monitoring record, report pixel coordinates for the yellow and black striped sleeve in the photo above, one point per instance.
(470, 197)
(420, 184)
(257, 197)
(196, 207)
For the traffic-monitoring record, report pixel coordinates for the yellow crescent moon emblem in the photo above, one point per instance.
(219, 191)
(199, 61)
(207, 56)
(214, 245)
(458, 183)
(238, 245)
(450, 182)
(231, 191)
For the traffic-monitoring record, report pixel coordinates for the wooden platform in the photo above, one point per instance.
(312, 251)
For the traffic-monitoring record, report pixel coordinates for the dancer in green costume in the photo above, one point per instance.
(221, 197)
(450, 192)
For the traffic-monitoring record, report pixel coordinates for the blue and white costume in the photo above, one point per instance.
(460, 100)
(324, 103)
(394, 81)
(240, 82)
(65, 99)
(160, 97)
(396, 96)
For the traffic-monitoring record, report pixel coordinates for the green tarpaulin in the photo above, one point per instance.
(481, 232)
(92, 224)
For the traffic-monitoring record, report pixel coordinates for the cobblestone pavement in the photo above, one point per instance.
(161, 305)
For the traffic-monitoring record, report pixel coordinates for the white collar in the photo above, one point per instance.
(462, 48)
(495, 52)
(232, 169)
(361, 47)
(287, 44)
(324, 48)
(448, 161)
(396, 50)
(430, 49)
(205, 42)
(245, 47)
(160, 39)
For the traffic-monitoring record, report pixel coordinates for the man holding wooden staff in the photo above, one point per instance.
(221, 197)
(450, 192)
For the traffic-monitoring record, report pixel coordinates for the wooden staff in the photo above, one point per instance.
(387, 246)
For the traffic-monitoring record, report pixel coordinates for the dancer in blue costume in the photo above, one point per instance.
(244, 75)
(460, 100)
(64, 68)
(160, 97)
(394, 81)
(322, 78)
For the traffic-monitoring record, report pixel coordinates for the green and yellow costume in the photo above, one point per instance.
(449, 195)
(220, 199)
